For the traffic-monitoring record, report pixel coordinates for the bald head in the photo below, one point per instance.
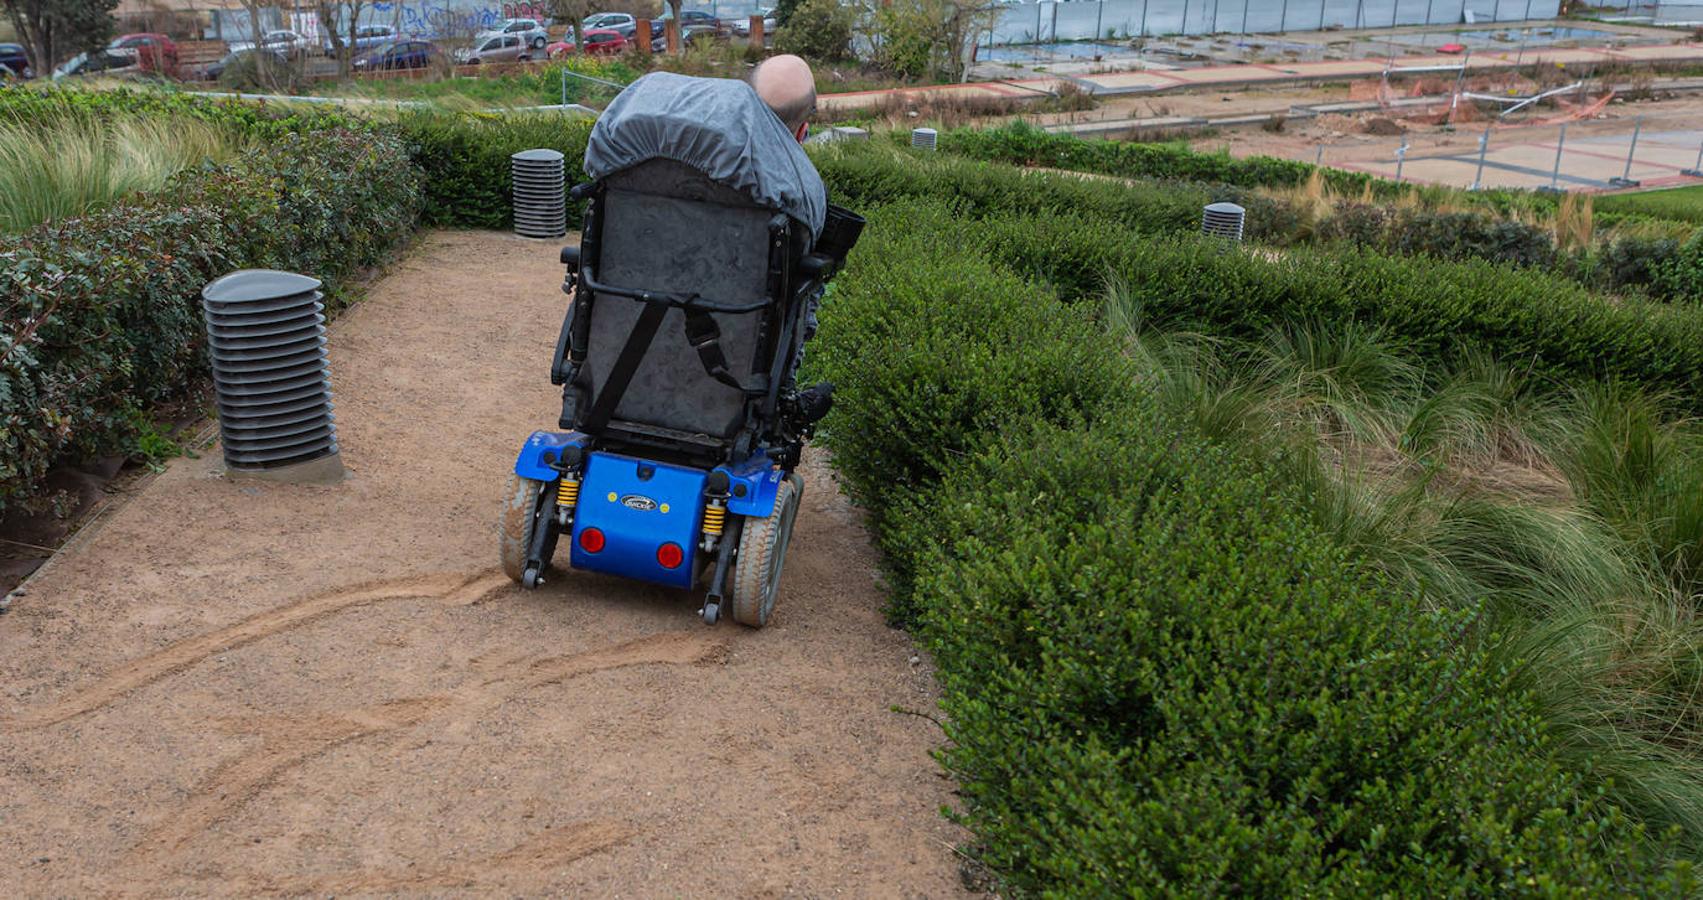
(786, 84)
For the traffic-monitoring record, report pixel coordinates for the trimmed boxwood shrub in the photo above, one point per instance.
(863, 176)
(102, 315)
(908, 427)
(1027, 145)
(464, 160)
(1435, 308)
(1158, 676)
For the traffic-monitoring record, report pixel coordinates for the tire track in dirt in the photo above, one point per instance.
(290, 741)
(540, 853)
(235, 783)
(450, 589)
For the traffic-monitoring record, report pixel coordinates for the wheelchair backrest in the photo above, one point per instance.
(662, 226)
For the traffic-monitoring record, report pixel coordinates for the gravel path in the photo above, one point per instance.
(237, 688)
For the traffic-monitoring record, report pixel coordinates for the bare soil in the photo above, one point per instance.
(234, 687)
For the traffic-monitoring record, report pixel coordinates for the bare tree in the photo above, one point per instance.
(330, 12)
(55, 30)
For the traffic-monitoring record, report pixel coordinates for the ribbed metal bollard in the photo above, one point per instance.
(1224, 220)
(266, 337)
(924, 138)
(540, 204)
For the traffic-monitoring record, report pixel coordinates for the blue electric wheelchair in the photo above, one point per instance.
(706, 243)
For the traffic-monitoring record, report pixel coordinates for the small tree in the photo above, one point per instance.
(784, 10)
(931, 38)
(55, 30)
(818, 29)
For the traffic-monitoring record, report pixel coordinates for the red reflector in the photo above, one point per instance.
(591, 540)
(670, 556)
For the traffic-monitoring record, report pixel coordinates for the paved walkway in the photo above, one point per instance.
(1587, 161)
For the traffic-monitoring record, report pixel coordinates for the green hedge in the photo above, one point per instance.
(1481, 234)
(265, 120)
(102, 313)
(861, 175)
(464, 159)
(1158, 676)
(1026, 145)
(1435, 308)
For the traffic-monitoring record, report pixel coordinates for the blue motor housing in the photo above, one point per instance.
(638, 510)
(638, 506)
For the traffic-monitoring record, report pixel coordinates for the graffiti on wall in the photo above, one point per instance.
(443, 19)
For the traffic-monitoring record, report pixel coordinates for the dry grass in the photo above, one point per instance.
(61, 169)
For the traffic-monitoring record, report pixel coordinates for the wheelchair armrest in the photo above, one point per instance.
(815, 267)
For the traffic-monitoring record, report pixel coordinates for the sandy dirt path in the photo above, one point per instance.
(238, 688)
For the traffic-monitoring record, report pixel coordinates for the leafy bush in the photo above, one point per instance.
(1026, 145)
(464, 160)
(1634, 260)
(1159, 677)
(916, 389)
(1437, 309)
(867, 176)
(102, 315)
(1471, 235)
(1680, 274)
(264, 71)
(819, 29)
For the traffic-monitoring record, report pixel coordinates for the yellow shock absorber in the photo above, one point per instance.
(714, 515)
(567, 492)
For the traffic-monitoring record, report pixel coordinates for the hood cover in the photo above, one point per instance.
(715, 125)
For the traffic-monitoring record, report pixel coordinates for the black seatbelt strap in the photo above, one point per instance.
(625, 365)
(704, 335)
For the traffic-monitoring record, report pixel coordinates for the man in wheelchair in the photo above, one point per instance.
(706, 243)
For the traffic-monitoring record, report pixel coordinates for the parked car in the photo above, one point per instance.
(742, 25)
(398, 55)
(531, 31)
(371, 37)
(97, 62)
(494, 48)
(15, 61)
(622, 23)
(598, 41)
(282, 41)
(691, 18)
(692, 35)
(217, 69)
(153, 52)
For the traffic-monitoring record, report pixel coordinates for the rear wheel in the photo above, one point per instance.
(762, 556)
(521, 501)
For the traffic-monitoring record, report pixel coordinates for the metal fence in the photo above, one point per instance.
(1049, 20)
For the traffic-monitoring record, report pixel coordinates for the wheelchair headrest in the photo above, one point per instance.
(719, 127)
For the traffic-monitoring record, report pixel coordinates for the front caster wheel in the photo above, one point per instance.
(711, 613)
